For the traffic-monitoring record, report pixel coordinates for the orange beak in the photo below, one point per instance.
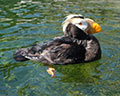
(95, 28)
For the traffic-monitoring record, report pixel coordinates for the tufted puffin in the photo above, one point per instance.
(77, 45)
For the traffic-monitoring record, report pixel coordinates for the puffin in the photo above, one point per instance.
(77, 45)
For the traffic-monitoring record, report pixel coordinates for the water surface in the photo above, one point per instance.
(25, 23)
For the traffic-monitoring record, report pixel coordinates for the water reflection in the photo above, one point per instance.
(79, 73)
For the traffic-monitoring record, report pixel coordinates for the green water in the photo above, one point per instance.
(25, 24)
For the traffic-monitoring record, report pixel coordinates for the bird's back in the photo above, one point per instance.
(61, 50)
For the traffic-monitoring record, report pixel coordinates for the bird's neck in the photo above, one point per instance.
(74, 32)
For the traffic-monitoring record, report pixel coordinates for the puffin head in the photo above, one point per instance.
(77, 26)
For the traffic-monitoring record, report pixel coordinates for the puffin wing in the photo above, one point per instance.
(40, 51)
(51, 52)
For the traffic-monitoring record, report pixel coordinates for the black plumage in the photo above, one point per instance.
(74, 47)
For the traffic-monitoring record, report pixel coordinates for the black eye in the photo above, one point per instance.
(80, 23)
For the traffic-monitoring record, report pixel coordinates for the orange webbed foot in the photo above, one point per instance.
(51, 71)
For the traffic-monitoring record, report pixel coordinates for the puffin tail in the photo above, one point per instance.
(20, 54)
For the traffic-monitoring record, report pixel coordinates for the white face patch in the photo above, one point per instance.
(82, 25)
(74, 19)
